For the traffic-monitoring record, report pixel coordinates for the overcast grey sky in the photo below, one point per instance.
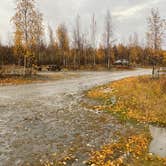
(128, 16)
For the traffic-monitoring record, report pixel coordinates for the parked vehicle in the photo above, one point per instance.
(37, 67)
(122, 62)
(54, 68)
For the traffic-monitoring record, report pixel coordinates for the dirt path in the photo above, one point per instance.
(37, 120)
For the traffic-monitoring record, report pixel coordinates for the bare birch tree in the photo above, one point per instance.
(93, 37)
(155, 34)
(51, 36)
(108, 34)
(63, 41)
(156, 30)
(77, 41)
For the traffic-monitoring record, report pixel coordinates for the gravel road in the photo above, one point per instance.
(37, 120)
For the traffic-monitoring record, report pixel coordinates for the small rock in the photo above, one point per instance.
(64, 163)
(84, 162)
(93, 164)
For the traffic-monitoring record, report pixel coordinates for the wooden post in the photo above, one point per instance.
(153, 72)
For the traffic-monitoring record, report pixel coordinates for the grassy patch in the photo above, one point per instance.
(37, 78)
(142, 99)
(16, 80)
(132, 150)
(138, 101)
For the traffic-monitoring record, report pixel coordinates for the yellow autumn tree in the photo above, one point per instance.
(101, 53)
(18, 47)
(28, 22)
(63, 42)
(164, 58)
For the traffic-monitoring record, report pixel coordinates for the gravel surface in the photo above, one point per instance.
(37, 120)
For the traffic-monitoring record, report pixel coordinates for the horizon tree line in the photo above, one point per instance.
(29, 46)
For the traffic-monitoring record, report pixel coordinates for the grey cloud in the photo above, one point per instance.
(128, 15)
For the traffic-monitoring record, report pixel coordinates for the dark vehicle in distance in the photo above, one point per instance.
(54, 68)
(37, 67)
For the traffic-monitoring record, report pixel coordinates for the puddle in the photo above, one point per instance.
(158, 144)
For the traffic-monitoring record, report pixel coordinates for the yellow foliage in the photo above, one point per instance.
(143, 99)
(139, 98)
(125, 152)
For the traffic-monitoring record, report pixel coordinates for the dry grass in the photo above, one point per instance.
(142, 98)
(37, 78)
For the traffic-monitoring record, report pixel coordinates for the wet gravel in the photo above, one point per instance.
(38, 120)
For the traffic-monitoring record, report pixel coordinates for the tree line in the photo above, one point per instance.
(29, 47)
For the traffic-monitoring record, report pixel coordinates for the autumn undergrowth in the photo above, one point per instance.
(140, 98)
(37, 78)
(139, 101)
